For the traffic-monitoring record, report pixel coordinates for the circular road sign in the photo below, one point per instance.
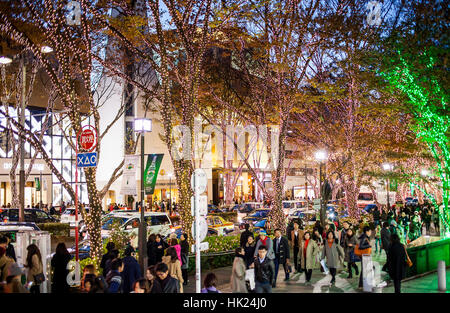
(203, 228)
(201, 180)
(87, 138)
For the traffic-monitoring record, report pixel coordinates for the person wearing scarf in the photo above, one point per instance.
(332, 254)
(264, 240)
(309, 251)
(238, 272)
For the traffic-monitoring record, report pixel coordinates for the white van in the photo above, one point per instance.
(68, 217)
(290, 206)
(157, 223)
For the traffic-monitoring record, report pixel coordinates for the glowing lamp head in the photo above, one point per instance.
(424, 172)
(142, 125)
(321, 155)
(46, 49)
(5, 60)
(387, 166)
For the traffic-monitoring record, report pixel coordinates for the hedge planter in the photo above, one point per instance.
(55, 229)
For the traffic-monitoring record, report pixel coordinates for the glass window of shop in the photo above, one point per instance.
(55, 143)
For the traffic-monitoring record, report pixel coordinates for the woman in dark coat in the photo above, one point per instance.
(396, 262)
(184, 257)
(364, 243)
(249, 249)
(150, 250)
(59, 266)
(349, 246)
(158, 248)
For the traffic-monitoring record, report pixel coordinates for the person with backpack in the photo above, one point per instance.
(131, 270)
(110, 246)
(210, 284)
(114, 279)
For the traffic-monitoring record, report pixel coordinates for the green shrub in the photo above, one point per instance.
(222, 243)
(55, 229)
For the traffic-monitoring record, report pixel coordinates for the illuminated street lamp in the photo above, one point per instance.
(142, 125)
(424, 172)
(5, 60)
(322, 156)
(46, 49)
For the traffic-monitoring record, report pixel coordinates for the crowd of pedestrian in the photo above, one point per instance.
(335, 245)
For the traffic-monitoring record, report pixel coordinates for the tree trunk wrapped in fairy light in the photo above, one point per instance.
(428, 102)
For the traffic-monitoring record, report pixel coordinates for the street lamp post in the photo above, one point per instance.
(387, 167)
(242, 188)
(142, 125)
(321, 156)
(170, 193)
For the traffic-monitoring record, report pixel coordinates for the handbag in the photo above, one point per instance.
(408, 260)
(359, 252)
(39, 278)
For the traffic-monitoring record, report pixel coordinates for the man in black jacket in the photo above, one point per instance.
(245, 234)
(163, 282)
(264, 272)
(281, 248)
(385, 235)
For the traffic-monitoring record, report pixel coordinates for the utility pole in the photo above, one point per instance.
(22, 148)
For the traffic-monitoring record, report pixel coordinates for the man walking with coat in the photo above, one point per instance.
(385, 235)
(281, 247)
(131, 271)
(264, 271)
(296, 236)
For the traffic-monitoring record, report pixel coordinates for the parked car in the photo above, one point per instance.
(411, 201)
(254, 217)
(157, 223)
(364, 198)
(219, 224)
(68, 217)
(245, 209)
(290, 206)
(31, 216)
(305, 215)
(214, 209)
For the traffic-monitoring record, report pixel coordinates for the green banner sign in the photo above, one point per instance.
(393, 185)
(37, 184)
(151, 172)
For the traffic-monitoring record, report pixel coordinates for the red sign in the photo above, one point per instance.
(87, 139)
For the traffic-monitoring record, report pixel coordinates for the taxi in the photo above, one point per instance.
(219, 224)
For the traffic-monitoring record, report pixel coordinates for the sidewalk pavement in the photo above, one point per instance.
(320, 283)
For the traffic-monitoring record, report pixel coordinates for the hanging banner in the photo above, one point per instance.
(151, 172)
(37, 184)
(393, 185)
(129, 175)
